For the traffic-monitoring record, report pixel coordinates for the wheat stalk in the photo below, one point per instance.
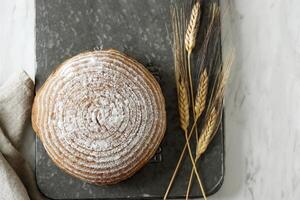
(178, 163)
(214, 112)
(215, 107)
(190, 42)
(182, 88)
(178, 22)
(191, 32)
(185, 88)
(204, 140)
(180, 71)
(183, 109)
(201, 94)
(202, 90)
(183, 106)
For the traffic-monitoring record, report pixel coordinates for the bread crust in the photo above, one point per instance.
(100, 116)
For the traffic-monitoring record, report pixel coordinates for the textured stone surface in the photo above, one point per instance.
(140, 29)
(262, 124)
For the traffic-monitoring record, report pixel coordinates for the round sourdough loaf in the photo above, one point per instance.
(100, 116)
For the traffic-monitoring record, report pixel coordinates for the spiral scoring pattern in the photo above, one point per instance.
(100, 116)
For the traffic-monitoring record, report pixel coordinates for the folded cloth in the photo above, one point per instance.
(16, 177)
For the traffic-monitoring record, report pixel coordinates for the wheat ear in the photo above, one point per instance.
(183, 106)
(201, 94)
(190, 42)
(191, 32)
(208, 133)
(190, 38)
(178, 21)
(182, 86)
(224, 75)
(214, 107)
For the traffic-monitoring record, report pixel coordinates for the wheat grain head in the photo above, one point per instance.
(207, 133)
(183, 105)
(180, 66)
(201, 94)
(223, 76)
(214, 108)
(192, 29)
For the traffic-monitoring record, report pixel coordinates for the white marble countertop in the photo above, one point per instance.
(262, 105)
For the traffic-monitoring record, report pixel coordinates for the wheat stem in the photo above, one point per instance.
(199, 108)
(174, 173)
(178, 164)
(192, 91)
(196, 128)
(194, 169)
(202, 90)
(201, 94)
(189, 185)
(203, 142)
(178, 22)
(190, 42)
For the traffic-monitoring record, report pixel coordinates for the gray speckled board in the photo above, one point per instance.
(140, 29)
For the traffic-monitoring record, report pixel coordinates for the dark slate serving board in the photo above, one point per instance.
(140, 29)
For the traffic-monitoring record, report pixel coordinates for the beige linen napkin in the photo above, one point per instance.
(16, 178)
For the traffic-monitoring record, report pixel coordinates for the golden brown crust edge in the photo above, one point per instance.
(161, 103)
